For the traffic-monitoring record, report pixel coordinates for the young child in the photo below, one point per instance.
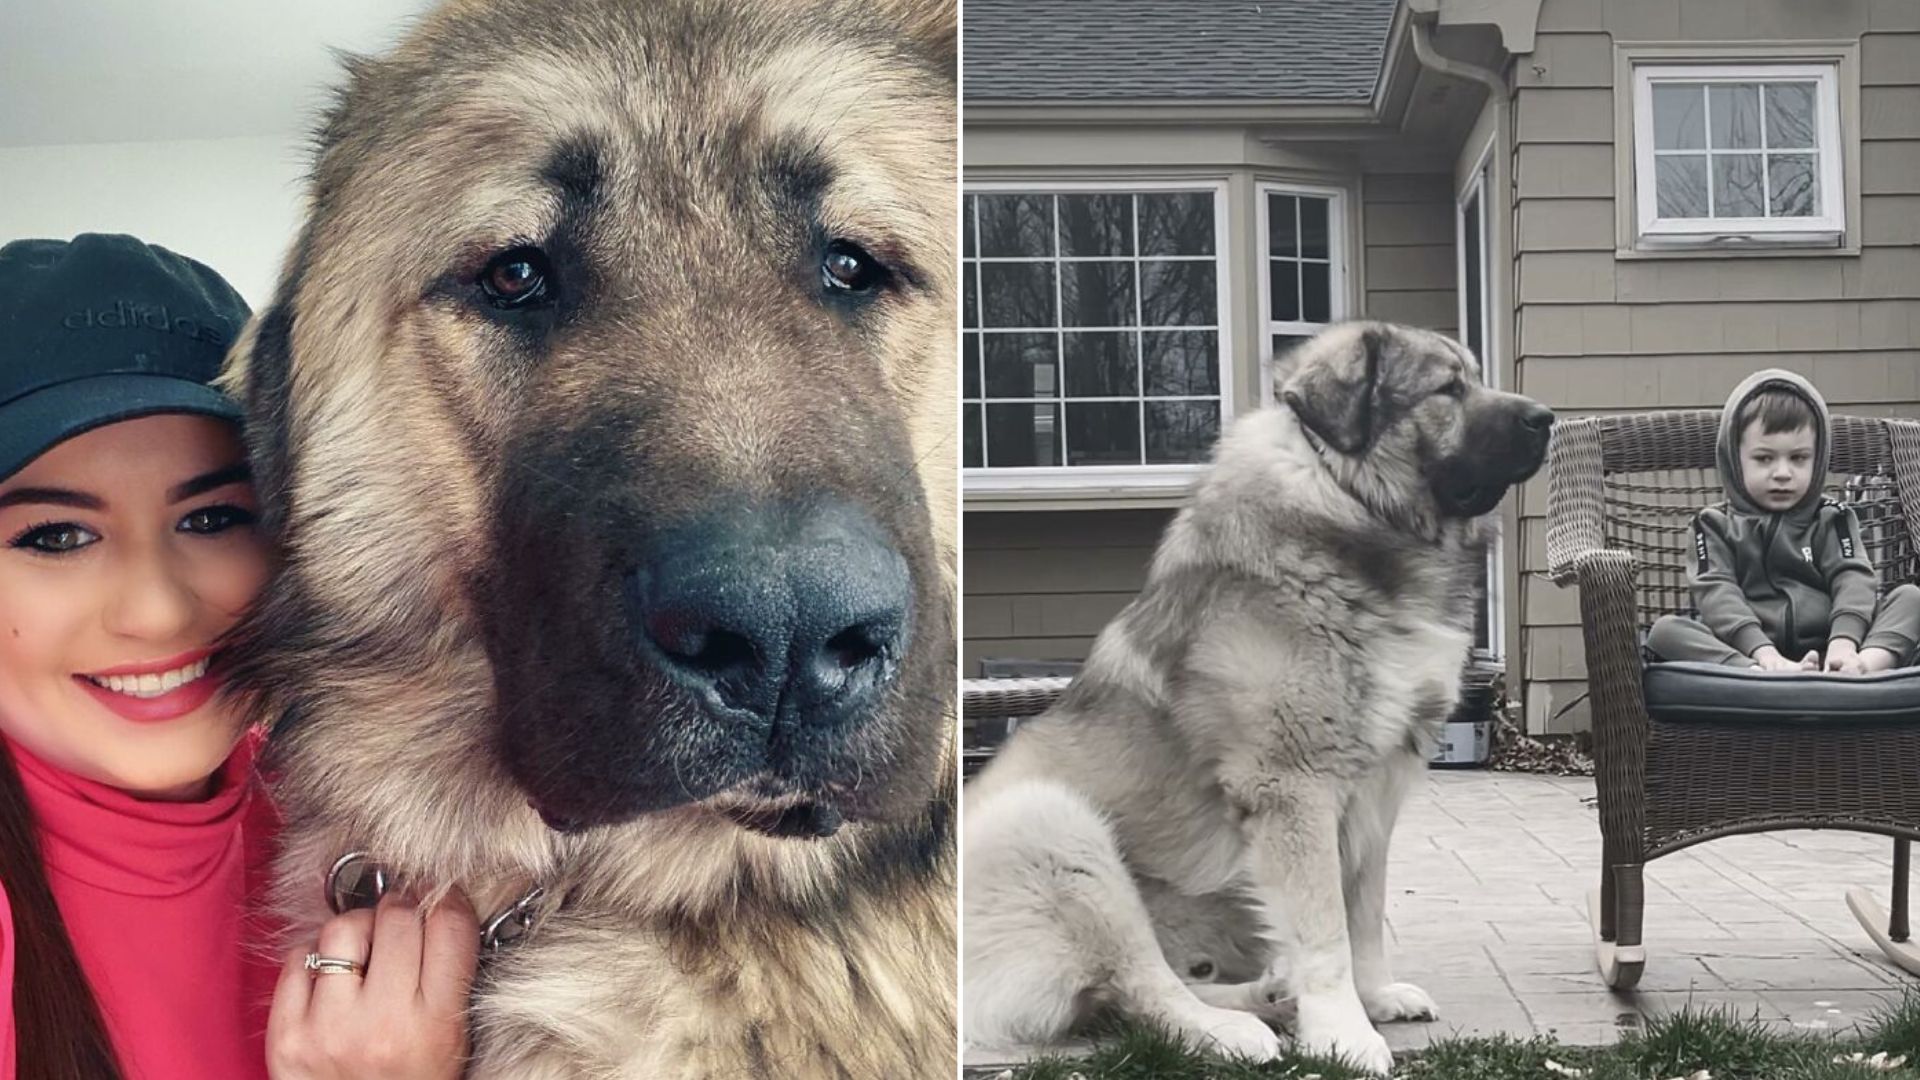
(1779, 573)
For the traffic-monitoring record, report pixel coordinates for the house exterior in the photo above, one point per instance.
(1617, 204)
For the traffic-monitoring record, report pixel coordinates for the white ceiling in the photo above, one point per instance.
(92, 71)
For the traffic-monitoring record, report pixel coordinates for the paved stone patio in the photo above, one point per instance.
(1487, 907)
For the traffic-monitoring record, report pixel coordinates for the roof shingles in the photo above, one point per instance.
(1173, 50)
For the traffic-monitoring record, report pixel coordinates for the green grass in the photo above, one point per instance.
(1728, 1046)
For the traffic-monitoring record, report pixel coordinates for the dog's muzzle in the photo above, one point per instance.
(1507, 445)
(781, 614)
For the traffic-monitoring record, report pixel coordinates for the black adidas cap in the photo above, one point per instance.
(101, 329)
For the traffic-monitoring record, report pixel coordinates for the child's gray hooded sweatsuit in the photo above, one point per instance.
(1794, 579)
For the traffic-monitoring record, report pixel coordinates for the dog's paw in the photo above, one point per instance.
(1398, 1001)
(1237, 1033)
(1356, 1042)
(1271, 999)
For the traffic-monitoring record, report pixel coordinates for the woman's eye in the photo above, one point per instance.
(847, 267)
(517, 278)
(58, 538)
(215, 519)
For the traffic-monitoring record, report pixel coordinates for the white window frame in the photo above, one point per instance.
(1337, 303)
(1477, 188)
(1121, 480)
(1827, 228)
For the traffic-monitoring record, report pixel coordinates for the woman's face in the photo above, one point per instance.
(125, 553)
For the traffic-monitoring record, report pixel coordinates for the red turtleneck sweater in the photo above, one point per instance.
(161, 900)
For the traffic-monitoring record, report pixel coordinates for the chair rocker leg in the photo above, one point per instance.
(1615, 910)
(1889, 930)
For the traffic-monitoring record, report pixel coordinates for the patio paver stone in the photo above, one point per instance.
(1487, 910)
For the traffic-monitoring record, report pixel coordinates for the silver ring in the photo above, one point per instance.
(330, 965)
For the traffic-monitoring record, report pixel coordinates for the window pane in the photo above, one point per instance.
(1737, 186)
(970, 301)
(1733, 110)
(1181, 361)
(1020, 435)
(1016, 294)
(1177, 294)
(974, 456)
(1283, 290)
(1096, 293)
(1681, 186)
(1679, 122)
(1176, 224)
(1313, 228)
(1181, 431)
(1792, 187)
(1316, 293)
(1096, 225)
(1471, 240)
(1015, 224)
(1790, 115)
(1022, 365)
(970, 365)
(1283, 237)
(1101, 365)
(1283, 344)
(1103, 433)
(966, 227)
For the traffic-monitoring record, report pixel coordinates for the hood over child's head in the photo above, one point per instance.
(1773, 444)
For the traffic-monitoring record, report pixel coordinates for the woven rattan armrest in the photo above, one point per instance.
(1620, 724)
(1575, 509)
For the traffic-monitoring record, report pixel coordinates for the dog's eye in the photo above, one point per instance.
(517, 277)
(1456, 388)
(1201, 970)
(846, 267)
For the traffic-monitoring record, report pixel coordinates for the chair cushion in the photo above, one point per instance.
(1691, 693)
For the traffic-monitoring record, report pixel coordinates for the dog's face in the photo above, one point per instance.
(605, 373)
(1406, 409)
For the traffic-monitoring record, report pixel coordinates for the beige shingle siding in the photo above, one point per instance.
(1600, 334)
(1408, 229)
(1041, 584)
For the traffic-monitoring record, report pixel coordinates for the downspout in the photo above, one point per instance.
(1420, 29)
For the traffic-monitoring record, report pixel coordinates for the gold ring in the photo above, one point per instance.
(328, 965)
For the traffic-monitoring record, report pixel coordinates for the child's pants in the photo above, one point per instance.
(1895, 627)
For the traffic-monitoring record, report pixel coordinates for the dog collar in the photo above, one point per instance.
(355, 881)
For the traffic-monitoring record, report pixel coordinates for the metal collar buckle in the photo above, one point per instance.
(356, 881)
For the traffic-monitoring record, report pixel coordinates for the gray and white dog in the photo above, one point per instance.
(1217, 789)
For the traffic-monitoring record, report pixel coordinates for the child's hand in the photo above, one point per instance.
(1768, 658)
(1843, 656)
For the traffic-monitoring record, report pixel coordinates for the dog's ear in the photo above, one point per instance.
(932, 32)
(259, 373)
(1334, 389)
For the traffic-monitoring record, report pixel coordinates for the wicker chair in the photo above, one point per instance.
(990, 708)
(1622, 494)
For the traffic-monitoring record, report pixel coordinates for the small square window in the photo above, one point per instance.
(1736, 154)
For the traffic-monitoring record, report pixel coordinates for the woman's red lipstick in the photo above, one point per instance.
(171, 705)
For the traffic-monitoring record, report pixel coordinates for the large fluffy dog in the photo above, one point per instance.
(1217, 788)
(605, 412)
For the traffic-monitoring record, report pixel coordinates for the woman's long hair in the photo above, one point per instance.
(58, 1031)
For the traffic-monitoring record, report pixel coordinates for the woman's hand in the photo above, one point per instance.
(404, 1017)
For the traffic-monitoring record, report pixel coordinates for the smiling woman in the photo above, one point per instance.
(132, 831)
(127, 814)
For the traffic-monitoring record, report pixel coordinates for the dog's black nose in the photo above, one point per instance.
(1537, 416)
(796, 612)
